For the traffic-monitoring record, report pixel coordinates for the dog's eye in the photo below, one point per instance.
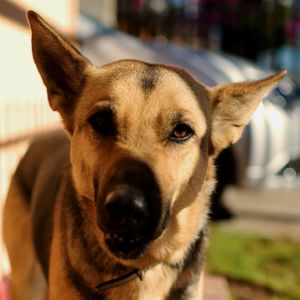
(181, 133)
(103, 122)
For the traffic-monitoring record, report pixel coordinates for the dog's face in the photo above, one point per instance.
(147, 141)
(143, 139)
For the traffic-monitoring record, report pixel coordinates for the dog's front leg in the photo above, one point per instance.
(200, 288)
(60, 286)
(196, 290)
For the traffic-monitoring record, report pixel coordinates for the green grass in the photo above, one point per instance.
(269, 263)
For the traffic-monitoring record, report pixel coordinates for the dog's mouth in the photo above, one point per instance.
(125, 245)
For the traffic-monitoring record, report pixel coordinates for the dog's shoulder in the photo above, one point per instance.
(42, 157)
(39, 176)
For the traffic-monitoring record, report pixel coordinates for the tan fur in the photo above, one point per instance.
(144, 145)
(27, 279)
(234, 105)
(158, 281)
(184, 174)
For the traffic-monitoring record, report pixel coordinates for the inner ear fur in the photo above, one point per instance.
(62, 68)
(233, 105)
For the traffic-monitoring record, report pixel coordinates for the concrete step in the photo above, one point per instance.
(216, 288)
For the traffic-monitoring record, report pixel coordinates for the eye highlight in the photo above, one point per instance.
(181, 132)
(103, 122)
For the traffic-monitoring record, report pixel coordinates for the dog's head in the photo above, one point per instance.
(143, 139)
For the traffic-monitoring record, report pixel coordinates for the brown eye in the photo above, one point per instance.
(181, 133)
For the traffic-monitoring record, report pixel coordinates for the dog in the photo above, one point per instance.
(117, 206)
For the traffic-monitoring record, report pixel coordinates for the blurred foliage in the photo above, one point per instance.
(273, 264)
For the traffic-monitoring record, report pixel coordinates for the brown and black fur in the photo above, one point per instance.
(133, 129)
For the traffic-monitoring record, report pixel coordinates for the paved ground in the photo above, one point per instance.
(271, 212)
(216, 288)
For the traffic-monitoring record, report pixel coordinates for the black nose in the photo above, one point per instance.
(126, 208)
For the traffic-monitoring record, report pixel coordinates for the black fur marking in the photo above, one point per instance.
(83, 288)
(149, 78)
(204, 144)
(191, 266)
(71, 217)
(23, 184)
(178, 293)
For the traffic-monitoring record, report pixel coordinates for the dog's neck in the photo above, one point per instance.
(117, 274)
(90, 255)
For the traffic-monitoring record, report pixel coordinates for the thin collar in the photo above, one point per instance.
(120, 280)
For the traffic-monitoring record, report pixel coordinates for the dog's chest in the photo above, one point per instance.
(156, 284)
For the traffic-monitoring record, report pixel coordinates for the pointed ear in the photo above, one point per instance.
(61, 66)
(233, 105)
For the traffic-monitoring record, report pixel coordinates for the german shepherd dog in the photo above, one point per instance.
(118, 207)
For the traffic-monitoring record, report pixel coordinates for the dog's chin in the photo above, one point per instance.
(126, 245)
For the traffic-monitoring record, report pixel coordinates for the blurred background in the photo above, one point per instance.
(255, 240)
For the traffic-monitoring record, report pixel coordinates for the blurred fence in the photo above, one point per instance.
(19, 122)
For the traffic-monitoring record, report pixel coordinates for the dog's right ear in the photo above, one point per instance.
(62, 68)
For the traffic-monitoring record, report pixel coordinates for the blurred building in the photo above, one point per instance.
(23, 100)
(24, 108)
(242, 27)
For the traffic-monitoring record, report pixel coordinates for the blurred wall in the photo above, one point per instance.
(104, 11)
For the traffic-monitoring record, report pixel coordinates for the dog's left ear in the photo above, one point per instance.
(233, 105)
(62, 68)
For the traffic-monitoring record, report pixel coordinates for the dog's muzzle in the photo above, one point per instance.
(129, 208)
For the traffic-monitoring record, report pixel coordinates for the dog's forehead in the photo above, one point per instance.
(150, 87)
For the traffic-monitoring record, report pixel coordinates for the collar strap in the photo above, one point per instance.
(120, 280)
